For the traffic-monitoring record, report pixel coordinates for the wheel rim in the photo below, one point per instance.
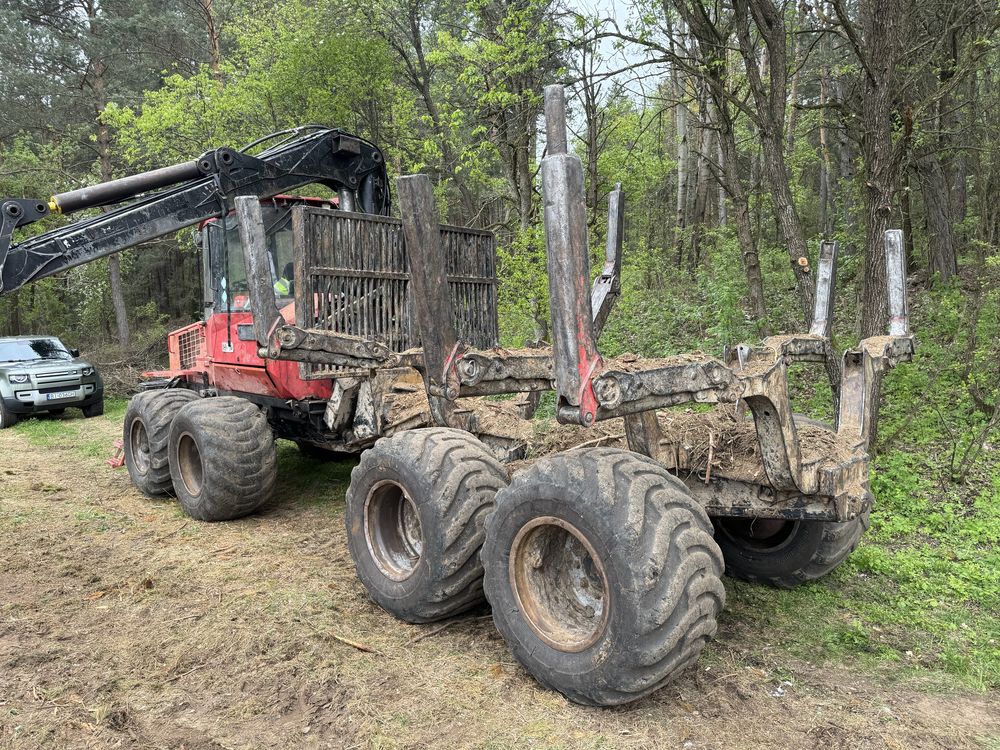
(769, 534)
(189, 463)
(139, 443)
(392, 530)
(559, 583)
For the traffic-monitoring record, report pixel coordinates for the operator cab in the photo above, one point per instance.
(223, 268)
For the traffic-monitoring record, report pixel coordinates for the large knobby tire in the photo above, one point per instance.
(145, 435)
(222, 458)
(416, 518)
(602, 573)
(786, 554)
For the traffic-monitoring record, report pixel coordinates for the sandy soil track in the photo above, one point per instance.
(125, 625)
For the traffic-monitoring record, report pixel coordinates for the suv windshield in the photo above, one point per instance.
(30, 350)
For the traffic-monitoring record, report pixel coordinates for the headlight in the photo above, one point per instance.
(18, 378)
(87, 371)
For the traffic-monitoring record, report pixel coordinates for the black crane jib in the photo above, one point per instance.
(189, 193)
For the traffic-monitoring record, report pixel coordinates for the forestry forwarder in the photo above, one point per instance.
(602, 565)
(214, 356)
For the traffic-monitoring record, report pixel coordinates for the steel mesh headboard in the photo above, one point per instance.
(352, 276)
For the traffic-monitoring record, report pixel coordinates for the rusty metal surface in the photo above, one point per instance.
(353, 276)
(574, 344)
(430, 294)
(260, 279)
(559, 583)
(655, 384)
(722, 496)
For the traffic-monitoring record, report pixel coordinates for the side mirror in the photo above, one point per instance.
(74, 352)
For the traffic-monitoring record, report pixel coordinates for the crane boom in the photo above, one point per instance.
(194, 191)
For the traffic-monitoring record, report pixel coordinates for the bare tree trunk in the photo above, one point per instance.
(826, 209)
(681, 129)
(905, 208)
(214, 33)
(700, 212)
(98, 87)
(845, 171)
(114, 261)
(942, 259)
(714, 74)
(793, 94)
(741, 214)
(721, 192)
(877, 50)
(770, 100)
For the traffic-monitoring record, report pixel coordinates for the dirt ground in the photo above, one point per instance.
(125, 625)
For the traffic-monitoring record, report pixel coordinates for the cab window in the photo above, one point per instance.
(229, 269)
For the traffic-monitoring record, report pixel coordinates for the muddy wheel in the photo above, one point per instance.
(602, 574)
(145, 434)
(786, 553)
(416, 517)
(222, 458)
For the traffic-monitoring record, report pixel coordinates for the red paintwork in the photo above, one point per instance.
(174, 344)
(242, 370)
(170, 373)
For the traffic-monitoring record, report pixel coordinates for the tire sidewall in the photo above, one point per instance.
(7, 419)
(133, 415)
(193, 504)
(572, 668)
(392, 594)
(797, 551)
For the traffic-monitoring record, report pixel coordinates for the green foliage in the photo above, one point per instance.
(299, 63)
(523, 291)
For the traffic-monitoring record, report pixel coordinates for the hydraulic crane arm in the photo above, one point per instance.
(198, 190)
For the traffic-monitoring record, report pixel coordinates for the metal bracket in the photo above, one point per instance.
(607, 285)
(309, 345)
(565, 217)
(864, 365)
(16, 212)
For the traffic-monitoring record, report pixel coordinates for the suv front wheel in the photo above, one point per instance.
(94, 410)
(7, 418)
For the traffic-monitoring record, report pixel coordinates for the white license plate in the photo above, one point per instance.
(60, 395)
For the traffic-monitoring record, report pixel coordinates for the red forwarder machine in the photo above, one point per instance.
(347, 330)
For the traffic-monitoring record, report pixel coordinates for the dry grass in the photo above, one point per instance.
(123, 624)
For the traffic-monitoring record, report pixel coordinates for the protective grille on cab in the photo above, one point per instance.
(189, 346)
(355, 279)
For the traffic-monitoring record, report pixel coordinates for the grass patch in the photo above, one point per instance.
(71, 430)
(309, 481)
(93, 519)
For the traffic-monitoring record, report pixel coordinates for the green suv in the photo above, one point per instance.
(39, 374)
